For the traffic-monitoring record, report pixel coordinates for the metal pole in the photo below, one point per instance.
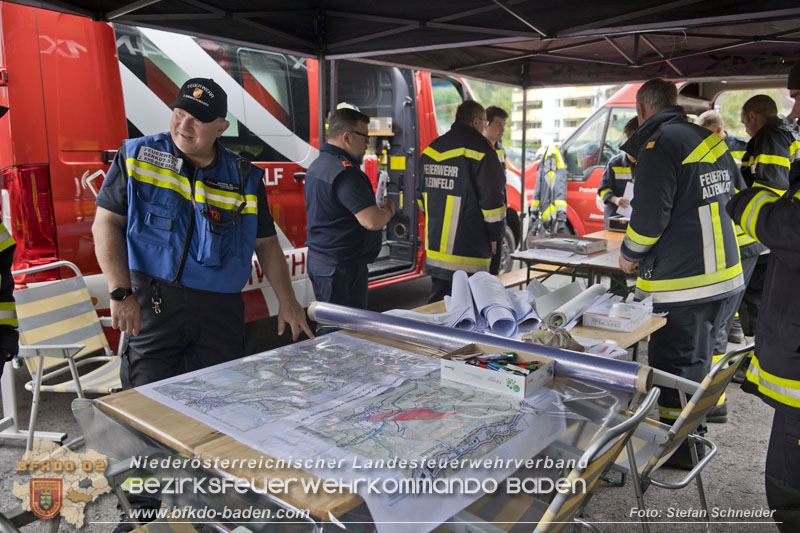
(334, 81)
(523, 204)
(322, 90)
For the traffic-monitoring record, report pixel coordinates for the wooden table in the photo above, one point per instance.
(186, 436)
(592, 268)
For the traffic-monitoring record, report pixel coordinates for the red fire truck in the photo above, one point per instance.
(77, 88)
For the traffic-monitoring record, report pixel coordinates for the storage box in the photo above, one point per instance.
(569, 242)
(618, 223)
(617, 315)
(498, 381)
(380, 126)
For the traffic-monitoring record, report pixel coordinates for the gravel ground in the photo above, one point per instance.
(733, 480)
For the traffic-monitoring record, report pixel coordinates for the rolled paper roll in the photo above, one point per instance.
(592, 369)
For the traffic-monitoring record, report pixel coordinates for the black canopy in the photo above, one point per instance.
(515, 42)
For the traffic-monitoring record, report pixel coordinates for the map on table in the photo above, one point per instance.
(347, 399)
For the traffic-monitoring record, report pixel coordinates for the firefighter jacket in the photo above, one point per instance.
(774, 220)
(737, 147)
(9, 336)
(334, 234)
(748, 246)
(679, 231)
(616, 176)
(196, 230)
(768, 156)
(550, 196)
(462, 190)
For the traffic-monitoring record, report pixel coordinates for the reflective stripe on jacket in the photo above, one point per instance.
(9, 338)
(616, 176)
(550, 196)
(461, 186)
(737, 147)
(679, 231)
(168, 235)
(774, 372)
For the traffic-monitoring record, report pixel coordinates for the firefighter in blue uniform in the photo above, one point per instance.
(774, 373)
(344, 221)
(494, 130)
(461, 191)
(178, 219)
(680, 238)
(616, 176)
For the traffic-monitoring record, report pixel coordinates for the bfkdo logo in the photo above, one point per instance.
(46, 497)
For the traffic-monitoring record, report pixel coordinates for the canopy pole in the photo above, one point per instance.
(522, 200)
(322, 89)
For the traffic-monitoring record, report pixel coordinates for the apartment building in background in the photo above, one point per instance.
(554, 113)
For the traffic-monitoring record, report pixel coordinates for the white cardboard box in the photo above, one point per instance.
(498, 381)
(617, 316)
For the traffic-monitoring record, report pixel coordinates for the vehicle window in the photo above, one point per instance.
(266, 77)
(584, 150)
(277, 82)
(729, 104)
(446, 98)
(616, 124)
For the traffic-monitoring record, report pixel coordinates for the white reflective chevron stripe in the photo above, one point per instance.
(707, 231)
(142, 107)
(193, 60)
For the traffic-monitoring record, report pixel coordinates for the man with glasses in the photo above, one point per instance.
(461, 188)
(344, 221)
(178, 219)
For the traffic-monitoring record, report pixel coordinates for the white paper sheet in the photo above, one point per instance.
(628, 194)
(380, 189)
(460, 303)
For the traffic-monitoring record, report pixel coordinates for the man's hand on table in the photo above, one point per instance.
(629, 267)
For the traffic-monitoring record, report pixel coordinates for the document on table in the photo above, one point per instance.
(628, 194)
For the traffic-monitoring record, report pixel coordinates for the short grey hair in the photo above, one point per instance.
(710, 120)
(656, 94)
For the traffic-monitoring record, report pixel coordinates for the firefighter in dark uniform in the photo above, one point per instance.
(461, 191)
(344, 222)
(680, 238)
(765, 164)
(177, 221)
(9, 336)
(748, 251)
(616, 176)
(774, 372)
(496, 118)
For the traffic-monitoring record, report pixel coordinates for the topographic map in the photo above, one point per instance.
(362, 403)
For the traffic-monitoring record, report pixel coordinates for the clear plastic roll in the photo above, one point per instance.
(592, 369)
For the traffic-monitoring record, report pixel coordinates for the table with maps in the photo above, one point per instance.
(353, 402)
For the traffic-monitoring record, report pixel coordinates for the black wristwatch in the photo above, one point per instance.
(120, 293)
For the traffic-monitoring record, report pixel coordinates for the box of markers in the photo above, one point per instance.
(496, 369)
